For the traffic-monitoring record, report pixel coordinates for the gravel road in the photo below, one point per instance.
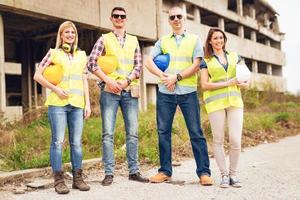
(268, 171)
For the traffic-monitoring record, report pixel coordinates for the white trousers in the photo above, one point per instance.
(234, 118)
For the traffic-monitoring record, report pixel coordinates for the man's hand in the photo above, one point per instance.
(122, 83)
(169, 79)
(113, 86)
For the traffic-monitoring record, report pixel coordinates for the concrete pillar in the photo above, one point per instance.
(269, 69)
(221, 24)
(151, 94)
(159, 11)
(252, 12)
(254, 66)
(239, 4)
(267, 42)
(2, 73)
(26, 80)
(253, 36)
(197, 16)
(144, 90)
(241, 31)
(266, 20)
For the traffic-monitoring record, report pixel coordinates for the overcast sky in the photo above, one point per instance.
(289, 15)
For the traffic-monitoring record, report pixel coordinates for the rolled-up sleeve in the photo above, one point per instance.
(203, 64)
(136, 72)
(46, 60)
(198, 50)
(98, 50)
(156, 50)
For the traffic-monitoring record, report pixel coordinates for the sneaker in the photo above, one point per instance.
(138, 177)
(206, 180)
(224, 181)
(108, 179)
(159, 178)
(234, 182)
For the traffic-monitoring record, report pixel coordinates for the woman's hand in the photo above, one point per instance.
(231, 82)
(61, 93)
(243, 84)
(87, 111)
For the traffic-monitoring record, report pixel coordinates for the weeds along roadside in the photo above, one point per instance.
(268, 117)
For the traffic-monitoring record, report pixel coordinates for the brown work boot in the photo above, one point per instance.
(138, 177)
(159, 178)
(108, 179)
(78, 182)
(59, 183)
(206, 180)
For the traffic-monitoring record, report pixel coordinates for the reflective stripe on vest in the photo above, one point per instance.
(72, 79)
(223, 97)
(124, 54)
(181, 57)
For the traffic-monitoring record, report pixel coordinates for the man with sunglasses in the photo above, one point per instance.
(178, 87)
(116, 91)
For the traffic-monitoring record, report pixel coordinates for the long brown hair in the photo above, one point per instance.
(208, 50)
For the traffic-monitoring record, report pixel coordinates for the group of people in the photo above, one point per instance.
(68, 102)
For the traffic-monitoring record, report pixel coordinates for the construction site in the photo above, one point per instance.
(28, 29)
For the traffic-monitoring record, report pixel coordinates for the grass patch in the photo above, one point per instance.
(26, 144)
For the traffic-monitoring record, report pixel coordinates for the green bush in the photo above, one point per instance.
(282, 117)
(250, 98)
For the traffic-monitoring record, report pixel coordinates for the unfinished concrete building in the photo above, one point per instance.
(28, 29)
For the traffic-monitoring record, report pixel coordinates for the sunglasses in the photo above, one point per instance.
(116, 16)
(172, 17)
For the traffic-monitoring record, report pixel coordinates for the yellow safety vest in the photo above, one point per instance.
(181, 57)
(72, 79)
(224, 97)
(124, 54)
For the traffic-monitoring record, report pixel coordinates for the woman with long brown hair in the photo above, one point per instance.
(223, 102)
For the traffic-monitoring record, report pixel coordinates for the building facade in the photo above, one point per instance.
(28, 29)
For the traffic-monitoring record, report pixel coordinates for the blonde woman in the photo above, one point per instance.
(223, 102)
(68, 104)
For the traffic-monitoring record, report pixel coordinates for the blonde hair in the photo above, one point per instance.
(62, 27)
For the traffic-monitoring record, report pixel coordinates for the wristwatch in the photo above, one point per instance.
(128, 80)
(179, 77)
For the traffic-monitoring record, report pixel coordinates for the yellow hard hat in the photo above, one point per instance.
(53, 74)
(108, 64)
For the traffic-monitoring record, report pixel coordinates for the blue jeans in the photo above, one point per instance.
(59, 117)
(109, 104)
(165, 110)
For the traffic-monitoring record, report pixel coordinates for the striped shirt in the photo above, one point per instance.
(99, 49)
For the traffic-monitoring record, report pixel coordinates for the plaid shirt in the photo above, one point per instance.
(99, 49)
(47, 61)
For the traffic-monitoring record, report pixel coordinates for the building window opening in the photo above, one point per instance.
(208, 18)
(232, 5)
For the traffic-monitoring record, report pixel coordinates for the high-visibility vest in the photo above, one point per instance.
(72, 80)
(124, 54)
(224, 97)
(181, 57)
